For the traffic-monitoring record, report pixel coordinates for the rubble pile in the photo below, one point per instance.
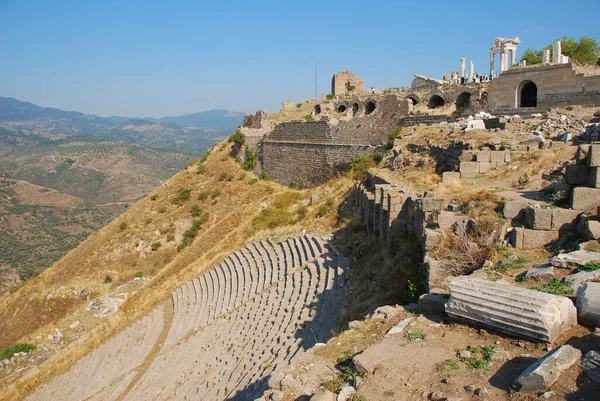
(591, 134)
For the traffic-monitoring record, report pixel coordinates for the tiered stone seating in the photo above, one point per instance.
(105, 373)
(232, 326)
(253, 312)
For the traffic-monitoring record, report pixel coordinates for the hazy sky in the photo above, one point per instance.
(150, 58)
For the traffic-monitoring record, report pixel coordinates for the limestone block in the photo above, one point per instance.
(575, 259)
(368, 361)
(591, 365)
(588, 304)
(582, 154)
(515, 210)
(484, 166)
(564, 219)
(467, 156)
(578, 279)
(538, 218)
(594, 180)
(577, 174)
(497, 156)
(468, 175)
(592, 230)
(544, 372)
(429, 204)
(507, 156)
(523, 238)
(511, 310)
(474, 125)
(586, 199)
(447, 219)
(449, 176)
(483, 155)
(469, 167)
(433, 239)
(539, 272)
(399, 328)
(593, 159)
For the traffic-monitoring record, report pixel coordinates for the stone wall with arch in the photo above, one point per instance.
(557, 85)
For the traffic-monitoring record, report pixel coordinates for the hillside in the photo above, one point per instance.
(39, 225)
(170, 136)
(97, 171)
(221, 119)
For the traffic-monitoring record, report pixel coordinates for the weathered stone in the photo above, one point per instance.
(370, 359)
(538, 218)
(591, 365)
(433, 239)
(323, 395)
(544, 372)
(275, 380)
(594, 180)
(582, 154)
(467, 156)
(522, 238)
(74, 324)
(593, 159)
(468, 169)
(578, 279)
(474, 125)
(539, 272)
(450, 176)
(483, 155)
(515, 210)
(512, 310)
(564, 219)
(355, 324)
(430, 204)
(447, 219)
(561, 188)
(577, 174)
(433, 303)
(277, 395)
(592, 229)
(588, 304)
(345, 392)
(575, 259)
(484, 166)
(498, 156)
(586, 199)
(399, 328)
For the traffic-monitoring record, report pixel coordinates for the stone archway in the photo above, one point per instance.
(414, 99)
(355, 108)
(369, 108)
(317, 110)
(342, 108)
(463, 101)
(527, 94)
(435, 101)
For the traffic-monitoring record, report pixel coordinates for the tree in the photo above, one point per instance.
(532, 56)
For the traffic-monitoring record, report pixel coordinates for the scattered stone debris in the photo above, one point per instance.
(588, 304)
(591, 365)
(544, 372)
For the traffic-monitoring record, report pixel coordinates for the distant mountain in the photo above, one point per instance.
(171, 136)
(223, 119)
(18, 115)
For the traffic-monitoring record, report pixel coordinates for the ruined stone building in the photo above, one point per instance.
(346, 83)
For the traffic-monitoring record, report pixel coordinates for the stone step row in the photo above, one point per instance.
(106, 372)
(283, 298)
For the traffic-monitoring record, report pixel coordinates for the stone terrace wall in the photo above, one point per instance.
(312, 152)
(425, 119)
(557, 85)
(308, 164)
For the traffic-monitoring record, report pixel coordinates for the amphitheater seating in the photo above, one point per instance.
(104, 373)
(232, 326)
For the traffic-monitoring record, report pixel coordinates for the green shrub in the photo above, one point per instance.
(329, 96)
(148, 220)
(196, 211)
(203, 158)
(263, 176)
(162, 209)
(591, 266)
(570, 107)
(360, 165)
(237, 138)
(154, 197)
(377, 157)
(203, 195)
(392, 136)
(555, 287)
(250, 160)
(192, 232)
(170, 237)
(183, 195)
(215, 193)
(414, 335)
(298, 105)
(252, 181)
(448, 364)
(8, 352)
(107, 279)
(155, 246)
(293, 184)
(201, 169)
(123, 226)
(223, 176)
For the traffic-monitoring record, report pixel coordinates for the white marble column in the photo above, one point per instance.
(557, 52)
(492, 59)
(462, 66)
(546, 56)
(502, 62)
(513, 60)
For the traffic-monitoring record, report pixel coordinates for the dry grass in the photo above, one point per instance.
(28, 312)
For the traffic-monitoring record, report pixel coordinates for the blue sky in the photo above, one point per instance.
(150, 58)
